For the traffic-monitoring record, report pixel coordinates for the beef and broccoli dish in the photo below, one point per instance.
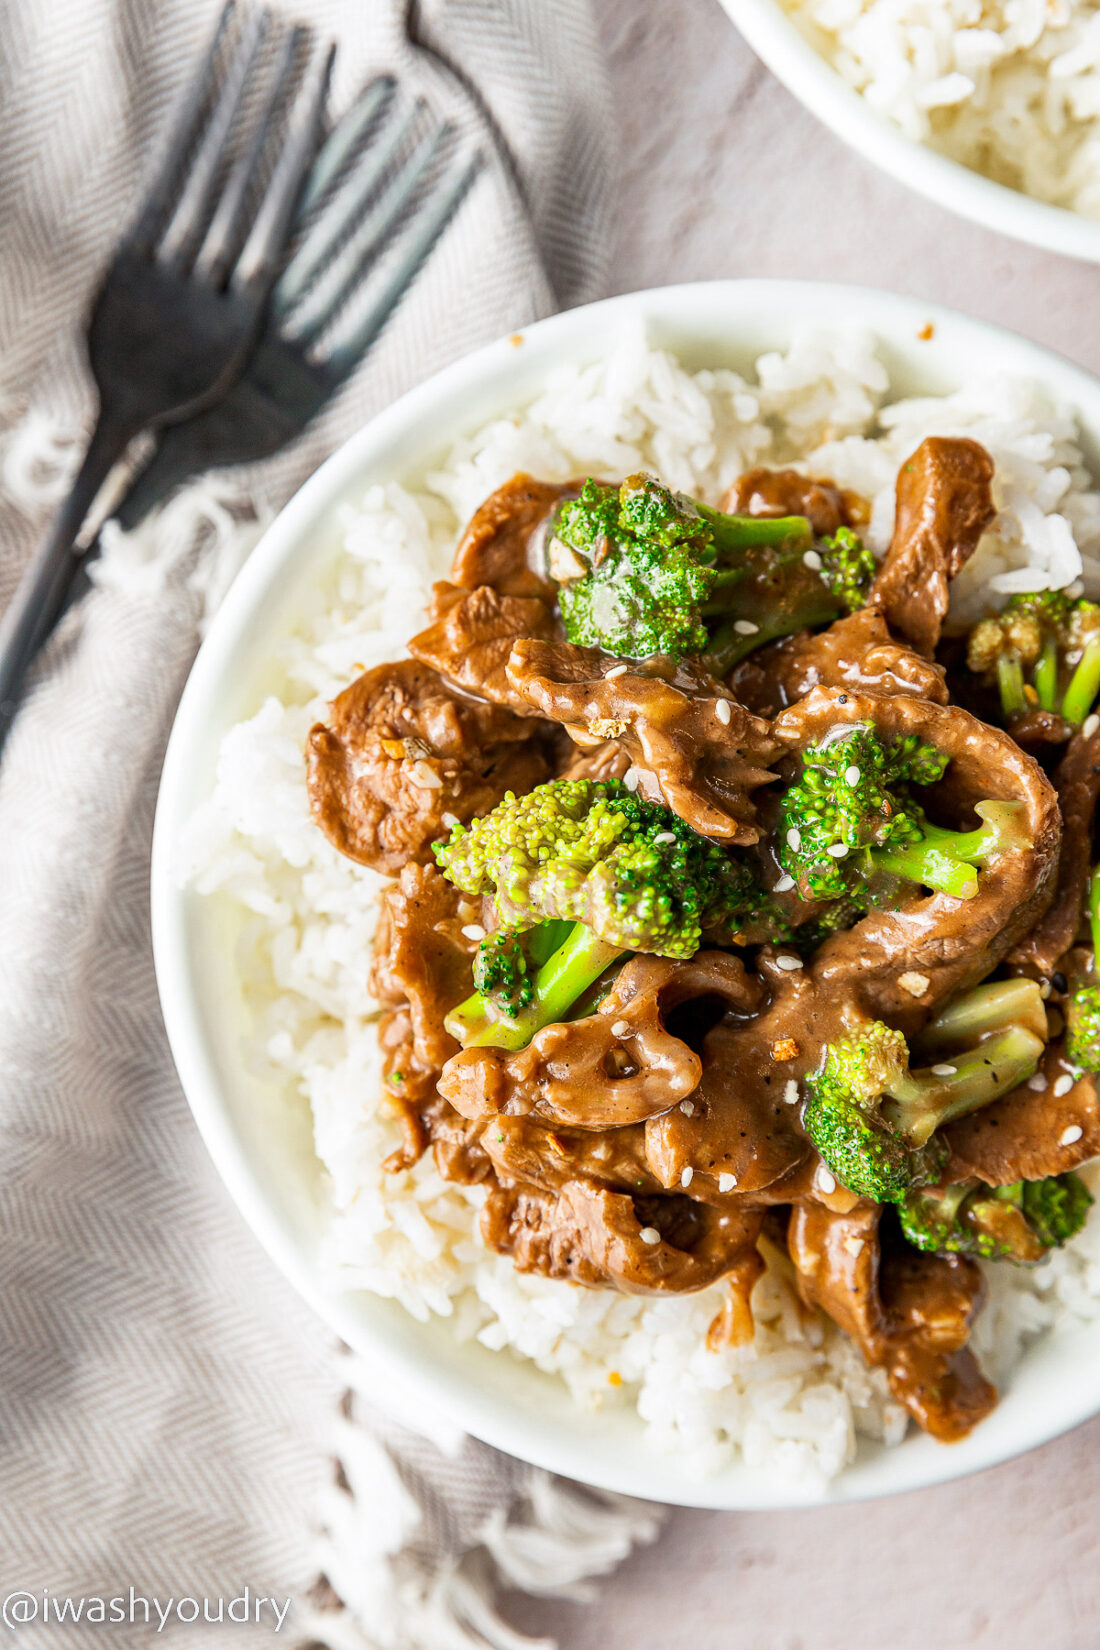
(738, 909)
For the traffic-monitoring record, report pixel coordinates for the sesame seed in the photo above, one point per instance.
(1063, 1086)
(723, 711)
(824, 1180)
(852, 775)
(631, 779)
(617, 670)
(1072, 1135)
(451, 820)
(745, 627)
(726, 1182)
(1090, 725)
(621, 1028)
(790, 1092)
(1045, 990)
(837, 850)
(665, 836)
(474, 931)
(916, 984)
(687, 1107)
(687, 1177)
(794, 839)
(944, 1070)
(650, 1234)
(1037, 1082)
(812, 560)
(784, 885)
(789, 963)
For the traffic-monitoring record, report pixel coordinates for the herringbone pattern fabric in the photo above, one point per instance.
(166, 1399)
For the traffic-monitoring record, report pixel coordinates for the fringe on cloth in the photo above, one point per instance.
(399, 1568)
(382, 1586)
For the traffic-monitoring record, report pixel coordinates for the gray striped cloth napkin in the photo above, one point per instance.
(170, 1408)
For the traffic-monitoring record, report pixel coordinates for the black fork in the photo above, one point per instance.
(390, 202)
(180, 306)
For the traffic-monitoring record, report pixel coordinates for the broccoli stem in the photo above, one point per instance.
(733, 534)
(728, 646)
(940, 859)
(1084, 685)
(1094, 918)
(1046, 675)
(986, 1008)
(572, 969)
(1010, 682)
(922, 1102)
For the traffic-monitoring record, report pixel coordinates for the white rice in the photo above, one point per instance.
(1010, 88)
(798, 1397)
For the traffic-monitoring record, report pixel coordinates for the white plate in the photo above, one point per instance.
(262, 1146)
(811, 78)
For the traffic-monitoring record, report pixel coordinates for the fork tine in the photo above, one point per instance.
(439, 208)
(184, 133)
(184, 232)
(324, 237)
(223, 238)
(267, 238)
(370, 237)
(342, 140)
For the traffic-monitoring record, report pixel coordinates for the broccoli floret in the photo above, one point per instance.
(626, 874)
(643, 570)
(1021, 1223)
(847, 566)
(1056, 1208)
(505, 963)
(1083, 1007)
(849, 817)
(873, 1120)
(644, 566)
(1048, 637)
(1083, 1028)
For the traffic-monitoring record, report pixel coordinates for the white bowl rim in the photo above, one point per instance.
(911, 1465)
(811, 78)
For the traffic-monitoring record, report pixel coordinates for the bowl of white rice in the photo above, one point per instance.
(988, 107)
(263, 931)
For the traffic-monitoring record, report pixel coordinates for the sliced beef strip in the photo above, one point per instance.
(1022, 1136)
(744, 1116)
(1077, 782)
(1041, 727)
(503, 543)
(666, 716)
(944, 505)
(948, 943)
(422, 958)
(763, 492)
(400, 750)
(603, 762)
(855, 652)
(471, 636)
(406, 1088)
(527, 1152)
(426, 1119)
(592, 1235)
(615, 1067)
(908, 1312)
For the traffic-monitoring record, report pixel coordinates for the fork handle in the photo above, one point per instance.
(40, 595)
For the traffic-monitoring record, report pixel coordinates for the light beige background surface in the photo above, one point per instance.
(726, 175)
